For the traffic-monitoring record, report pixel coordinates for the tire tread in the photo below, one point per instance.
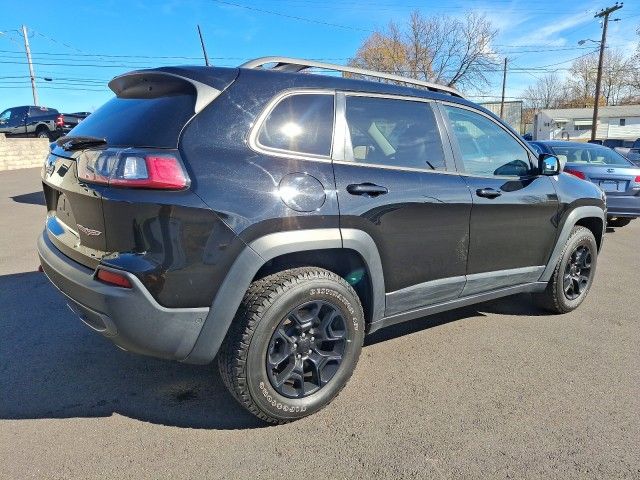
(261, 294)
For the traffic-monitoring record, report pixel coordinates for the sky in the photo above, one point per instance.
(80, 45)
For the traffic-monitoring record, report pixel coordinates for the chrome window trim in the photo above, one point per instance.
(254, 132)
(453, 140)
(342, 134)
(389, 167)
(392, 96)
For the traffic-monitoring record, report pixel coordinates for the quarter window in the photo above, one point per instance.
(485, 147)
(301, 123)
(399, 133)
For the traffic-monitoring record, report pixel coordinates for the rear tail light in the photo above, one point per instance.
(637, 179)
(576, 173)
(60, 121)
(133, 169)
(113, 278)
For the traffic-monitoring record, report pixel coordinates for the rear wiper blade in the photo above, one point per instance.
(77, 143)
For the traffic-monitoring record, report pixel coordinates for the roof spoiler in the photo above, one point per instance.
(157, 83)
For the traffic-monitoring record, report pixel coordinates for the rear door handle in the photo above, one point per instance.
(368, 189)
(488, 193)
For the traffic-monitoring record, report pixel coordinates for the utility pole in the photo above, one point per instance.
(31, 74)
(604, 13)
(204, 50)
(504, 86)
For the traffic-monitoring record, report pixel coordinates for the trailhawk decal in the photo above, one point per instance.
(88, 231)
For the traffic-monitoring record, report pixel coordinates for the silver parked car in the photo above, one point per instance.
(617, 176)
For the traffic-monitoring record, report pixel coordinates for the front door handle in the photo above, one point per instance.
(488, 192)
(368, 189)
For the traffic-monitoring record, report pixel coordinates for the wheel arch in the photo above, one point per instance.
(587, 216)
(281, 250)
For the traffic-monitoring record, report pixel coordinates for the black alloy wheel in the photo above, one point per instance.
(306, 349)
(577, 273)
(573, 274)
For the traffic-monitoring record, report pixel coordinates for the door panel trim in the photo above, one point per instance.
(457, 303)
(487, 281)
(427, 293)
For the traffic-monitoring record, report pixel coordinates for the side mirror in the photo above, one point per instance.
(548, 164)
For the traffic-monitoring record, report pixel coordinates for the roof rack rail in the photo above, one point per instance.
(288, 64)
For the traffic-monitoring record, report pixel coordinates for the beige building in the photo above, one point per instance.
(620, 122)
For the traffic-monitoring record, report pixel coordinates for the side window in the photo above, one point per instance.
(486, 148)
(35, 112)
(301, 123)
(5, 116)
(397, 133)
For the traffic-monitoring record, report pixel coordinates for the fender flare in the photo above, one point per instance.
(587, 211)
(256, 254)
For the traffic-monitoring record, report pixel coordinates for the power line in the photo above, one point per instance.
(294, 17)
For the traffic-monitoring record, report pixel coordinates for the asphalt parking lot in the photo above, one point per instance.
(501, 390)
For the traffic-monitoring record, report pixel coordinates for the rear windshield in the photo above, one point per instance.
(134, 122)
(590, 155)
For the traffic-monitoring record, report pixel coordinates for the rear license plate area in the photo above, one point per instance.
(612, 186)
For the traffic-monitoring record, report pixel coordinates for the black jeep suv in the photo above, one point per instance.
(272, 218)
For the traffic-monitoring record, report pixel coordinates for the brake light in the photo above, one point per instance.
(113, 278)
(576, 173)
(133, 169)
(637, 179)
(60, 121)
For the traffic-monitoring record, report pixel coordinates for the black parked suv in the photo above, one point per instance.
(272, 218)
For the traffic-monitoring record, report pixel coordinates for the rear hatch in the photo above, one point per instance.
(108, 151)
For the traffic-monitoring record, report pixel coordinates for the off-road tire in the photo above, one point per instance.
(553, 298)
(618, 222)
(43, 132)
(242, 357)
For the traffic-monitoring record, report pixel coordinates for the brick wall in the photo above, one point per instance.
(22, 152)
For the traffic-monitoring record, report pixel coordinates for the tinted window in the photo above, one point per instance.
(590, 156)
(14, 114)
(300, 123)
(486, 148)
(399, 133)
(35, 112)
(150, 122)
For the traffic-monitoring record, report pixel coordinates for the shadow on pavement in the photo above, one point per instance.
(34, 198)
(52, 366)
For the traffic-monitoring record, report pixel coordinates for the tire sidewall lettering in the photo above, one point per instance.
(322, 291)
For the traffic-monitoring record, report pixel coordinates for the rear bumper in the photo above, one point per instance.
(130, 318)
(623, 206)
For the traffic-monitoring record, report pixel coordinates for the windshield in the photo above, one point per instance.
(589, 155)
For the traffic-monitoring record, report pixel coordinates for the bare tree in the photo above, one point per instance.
(385, 52)
(617, 73)
(616, 77)
(545, 93)
(452, 51)
(579, 88)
